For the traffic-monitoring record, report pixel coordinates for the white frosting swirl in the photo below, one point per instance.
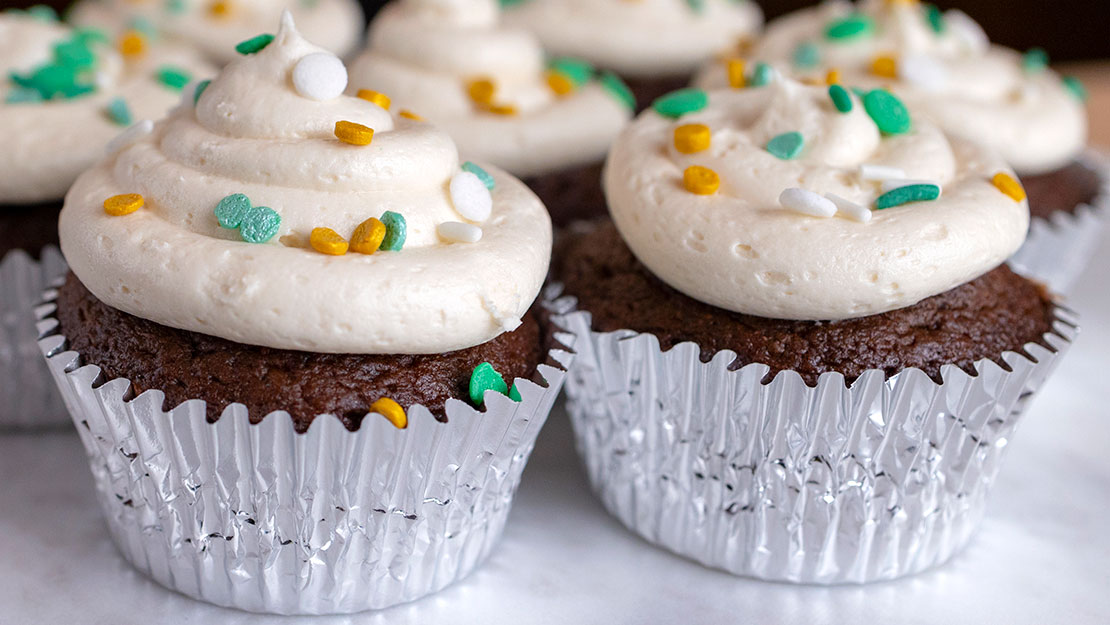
(423, 53)
(741, 250)
(47, 144)
(953, 77)
(252, 133)
(216, 26)
(641, 38)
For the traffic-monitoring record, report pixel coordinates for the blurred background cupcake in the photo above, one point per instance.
(64, 95)
(549, 121)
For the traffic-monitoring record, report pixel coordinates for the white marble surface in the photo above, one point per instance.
(1042, 556)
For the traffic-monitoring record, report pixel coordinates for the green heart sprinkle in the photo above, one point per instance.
(850, 27)
(577, 71)
(786, 146)
(888, 112)
(1035, 60)
(232, 209)
(1075, 86)
(74, 53)
(395, 231)
(678, 103)
(840, 98)
(807, 55)
(201, 86)
(514, 394)
(260, 224)
(762, 75)
(617, 88)
(119, 112)
(482, 174)
(485, 378)
(254, 44)
(935, 18)
(907, 194)
(172, 77)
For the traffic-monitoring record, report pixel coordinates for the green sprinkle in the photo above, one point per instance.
(482, 174)
(935, 18)
(232, 209)
(697, 6)
(173, 77)
(617, 87)
(43, 13)
(1035, 60)
(119, 112)
(395, 231)
(851, 27)
(260, 224)
(1075, 86)
(859, 91)
(144, 26)
(176, 7)
(907, 194)
(485, 378)
(23, 95)
(75, 91)
(254, 44)
(577, 71)
(201, 86)
(807, 55)
(514, 394)
(787, 146)
(762, 75)
(74, 53)
(89, 35)
(888, 112)
(840, 98)
(678, 103)
(54, 80)
(511, 3)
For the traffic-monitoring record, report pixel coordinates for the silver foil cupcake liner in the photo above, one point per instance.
(1057, 250)
(261, 518)
(28, 398)
(783, 481)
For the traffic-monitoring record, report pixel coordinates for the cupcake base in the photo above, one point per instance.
(571, 195)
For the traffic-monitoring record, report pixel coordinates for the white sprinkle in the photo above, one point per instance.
(458, 232)
(880, 172)
(967, 30)
(890, 185)
(850, 209)
(807, 203)
(470, 196)
(923, 71)
(320, 76)
(132, 134)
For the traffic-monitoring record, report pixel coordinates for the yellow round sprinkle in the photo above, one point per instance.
(410, 115)
(691, 138)
(833, 77)
(481, 90)
(355, 134)
(391, 410)
(736, 78)
(219, 8)
(885, 66)
(701, 180)
(1005, 183)
(132, 43)
(120, 205)
(368, 236)
(375, 97)
(559, 83)
(327, 241)
(501, 109)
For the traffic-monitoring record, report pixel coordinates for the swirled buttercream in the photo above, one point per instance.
(252, 133)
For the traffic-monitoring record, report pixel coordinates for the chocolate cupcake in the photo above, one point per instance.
(549, 122)
(655, 45)
(283, 282)
(64, 94)
(790, 366)
(946, 70)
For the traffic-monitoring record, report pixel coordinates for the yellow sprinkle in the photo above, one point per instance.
(701, 180)
(219, 8)
(1005, 183)
(691, 138)
(481, 91)
(501, 109)
(812, 81)
(885, 66)
(736, 78)
(120, 205)
(355, 134)
(833, 77)
(375, 97)
(327, 241)
(559, 83)
(391, 410)
(132, 43)
(368, 236)
(410, 115)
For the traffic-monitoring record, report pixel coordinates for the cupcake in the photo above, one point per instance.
(789, 365)
(945, 69)
(549, 122)
(656, 45)
(64, 95)
(298, 340)
(217, 26)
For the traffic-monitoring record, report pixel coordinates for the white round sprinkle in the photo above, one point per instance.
(850, 209)
(132, 134)
(880, 172)
(807, 203)
(458, 232)
(890, 185)
(923, 71)
(320, 76)
(970, 33)
(470, 196)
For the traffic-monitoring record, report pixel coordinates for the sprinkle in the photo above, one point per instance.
(43, 13)
(231, 210)
(481, 91)
(392, 411)
(850, 27)
(118, 111)
(327, 241)
(678, 103)
(176, 7)
(888, 112)
(514, 394)
(880, 172)
(762, 75)
(485, 378)
(482, 174)
(129, 136)
(907, 194)
(220, 8)
(697, 6)
(260, 224)
(201, 86)
(132, 43)
(1035, 60)
(617, 88)
(375, 97)
(501, 109)
(559, 83)
(692, 138)
(891, 184)
(173, 77)
(88, 34)
(935, 18)
(701, 180)
(806, 202)
(120, 205)
(1007, 184)
(575, 71)
(395, 232)
(74, 53)
(885, 66)
(254, 44)
(410, 115)
(353, 133)
(471, 196)
(832, 77)
(320, 76)
(457, 232)
(368, 236)
(144, 26)
(786, 146)
(840, 98)
(1075, 86)
(807, 55)
(854, 211)
(736, 77)
(22, 95)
